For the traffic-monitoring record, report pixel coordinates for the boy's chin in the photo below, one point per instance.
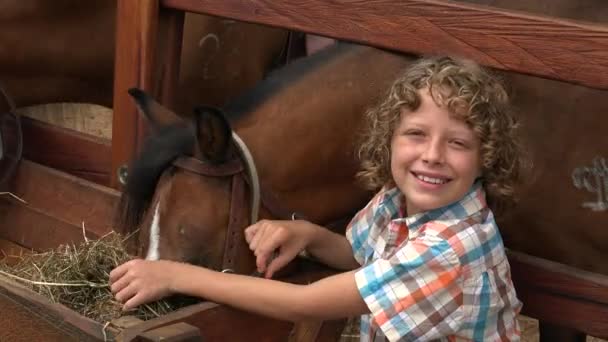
(424, 205)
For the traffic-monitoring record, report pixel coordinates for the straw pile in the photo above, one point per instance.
(77, 276)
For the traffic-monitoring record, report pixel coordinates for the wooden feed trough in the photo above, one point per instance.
(57, 206)
(568, 302)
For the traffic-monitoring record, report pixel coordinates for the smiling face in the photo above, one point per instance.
(435, 157)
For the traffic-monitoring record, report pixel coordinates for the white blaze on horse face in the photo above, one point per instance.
(153, 253)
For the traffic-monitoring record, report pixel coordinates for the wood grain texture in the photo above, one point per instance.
(68, 198)
(554, 48)
(170, 55)
(28, 316)
(561, 295)
(70, 151)
(136, 35)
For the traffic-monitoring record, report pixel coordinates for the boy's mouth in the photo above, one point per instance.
(431, 178)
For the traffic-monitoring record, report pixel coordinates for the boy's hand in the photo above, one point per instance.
(139, 281)
(287, 238)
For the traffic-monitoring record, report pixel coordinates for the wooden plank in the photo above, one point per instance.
(171, 54)
(136, 34)
(587, 317)
(217, 323)
(561, 295)
(57, 206)
(36, 230)
(557, 278)
(27, 316)
(554, 48)
(66, 197)
(223, 323)
(179, 332)
(67, 150)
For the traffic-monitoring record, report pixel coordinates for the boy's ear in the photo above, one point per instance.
(213, 134)
(156, 114)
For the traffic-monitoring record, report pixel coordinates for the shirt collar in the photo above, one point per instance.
(473, 201)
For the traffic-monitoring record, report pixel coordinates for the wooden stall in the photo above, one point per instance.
(568, 302)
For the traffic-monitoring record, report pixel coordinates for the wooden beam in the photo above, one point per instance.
(170, 55)
(57, 205)
(136, 35)
(554, 48)
(28, 316)
(562, 295)
(68, 198)
(67, 150)
(70, 151)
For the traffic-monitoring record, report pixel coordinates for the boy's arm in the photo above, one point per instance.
(337, 296)
(332, 249)
(275, 243)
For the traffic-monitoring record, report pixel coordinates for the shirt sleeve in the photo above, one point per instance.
(357, 236)
(359, 228)
(417, 293)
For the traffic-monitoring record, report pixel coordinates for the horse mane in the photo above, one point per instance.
(167, 143)
(158, 152)
(280, 78)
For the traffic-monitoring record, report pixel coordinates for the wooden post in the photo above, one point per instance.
(170, 54)
(136, 33)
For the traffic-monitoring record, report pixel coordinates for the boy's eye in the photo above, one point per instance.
(414, 132)
(460, 143)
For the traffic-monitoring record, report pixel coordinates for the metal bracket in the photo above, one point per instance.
(123, 173)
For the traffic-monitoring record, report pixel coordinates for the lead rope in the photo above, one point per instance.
(252, 172)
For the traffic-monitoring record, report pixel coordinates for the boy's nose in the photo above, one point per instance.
(433, 153)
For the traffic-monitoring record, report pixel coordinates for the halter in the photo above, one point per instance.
(237, 219)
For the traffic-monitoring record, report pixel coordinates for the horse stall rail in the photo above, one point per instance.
(568, 301)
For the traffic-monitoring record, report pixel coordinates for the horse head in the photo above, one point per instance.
(186, 192)
(193, 189)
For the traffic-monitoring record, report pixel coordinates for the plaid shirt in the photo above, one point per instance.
(442, 274)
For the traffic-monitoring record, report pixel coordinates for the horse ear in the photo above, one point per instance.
(213, 134)
(158, 115)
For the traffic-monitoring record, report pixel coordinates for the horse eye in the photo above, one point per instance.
(182, 230)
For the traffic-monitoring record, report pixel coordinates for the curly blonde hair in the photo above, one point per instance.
(470, 93)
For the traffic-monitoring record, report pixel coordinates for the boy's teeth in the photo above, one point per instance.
(431, 180)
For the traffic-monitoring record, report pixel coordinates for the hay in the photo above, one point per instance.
(77, 276)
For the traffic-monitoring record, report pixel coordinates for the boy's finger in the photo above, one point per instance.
(255, 240)
(119, 284)
(272, 241)
(250, 232)
(126, 293)
(118, 272)
(276, 264)
(261, 261)
(132, 303)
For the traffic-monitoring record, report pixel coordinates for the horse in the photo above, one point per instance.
(188, 191)
(63, 51)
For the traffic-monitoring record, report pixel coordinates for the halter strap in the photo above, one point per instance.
(237, 221)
